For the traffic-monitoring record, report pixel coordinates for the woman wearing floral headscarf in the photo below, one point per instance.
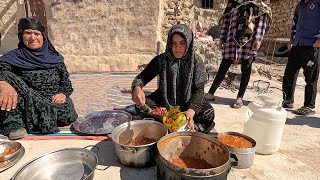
(34, 85)
(243, 26)
(182, 79)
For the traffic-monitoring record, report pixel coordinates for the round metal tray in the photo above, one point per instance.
(102, 122)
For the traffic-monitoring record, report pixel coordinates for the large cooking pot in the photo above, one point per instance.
(142, 155)
(69, 163)
(197, 146)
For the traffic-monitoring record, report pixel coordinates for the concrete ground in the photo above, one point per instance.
(298, 157)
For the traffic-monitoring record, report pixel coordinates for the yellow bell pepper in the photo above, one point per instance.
(178, 119)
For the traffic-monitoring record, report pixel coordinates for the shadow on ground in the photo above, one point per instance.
(227, 101)
(304, 120)
(107, 158)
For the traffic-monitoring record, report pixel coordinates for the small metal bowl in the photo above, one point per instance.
(7, 145)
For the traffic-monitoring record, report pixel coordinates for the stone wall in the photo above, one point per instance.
(282, 12)
(105, 35)
(109, 35)
(8, 25)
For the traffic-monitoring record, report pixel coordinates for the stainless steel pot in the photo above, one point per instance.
(137, 156)
(245, 156)
(69, 163)
(193, 145)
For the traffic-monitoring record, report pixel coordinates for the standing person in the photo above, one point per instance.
(34, 85)
(243, 26)
(305, 47)
(182, 79)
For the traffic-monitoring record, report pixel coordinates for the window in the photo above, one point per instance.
(207, 4)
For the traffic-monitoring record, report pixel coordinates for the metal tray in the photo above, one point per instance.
(14, 160)
(102, 122)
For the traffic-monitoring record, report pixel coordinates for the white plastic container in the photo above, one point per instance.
(266, 120)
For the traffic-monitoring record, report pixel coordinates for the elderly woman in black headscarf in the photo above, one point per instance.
(34, 85)
(182, 79)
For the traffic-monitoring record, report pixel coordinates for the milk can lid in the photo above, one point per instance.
(268, 101)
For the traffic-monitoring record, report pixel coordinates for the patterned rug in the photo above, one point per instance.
(96, 91)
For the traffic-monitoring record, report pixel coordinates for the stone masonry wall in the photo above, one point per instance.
(282, 12)
(8, 25)
(105, 35)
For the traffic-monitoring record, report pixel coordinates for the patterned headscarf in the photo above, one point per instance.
(31, 59)
(249, 10)
(178, 75)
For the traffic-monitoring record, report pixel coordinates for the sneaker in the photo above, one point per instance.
(18, 134)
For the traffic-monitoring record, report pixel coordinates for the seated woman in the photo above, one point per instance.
(182, 79)
(34, 85)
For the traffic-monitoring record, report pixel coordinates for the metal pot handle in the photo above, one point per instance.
(93, 147)
(234, 160)
(131, 149)
(151, 119)
(106, 167)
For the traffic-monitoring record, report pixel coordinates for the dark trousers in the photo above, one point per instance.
(302, 56)
(246, 67)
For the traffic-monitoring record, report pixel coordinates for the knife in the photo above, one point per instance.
(146, 108)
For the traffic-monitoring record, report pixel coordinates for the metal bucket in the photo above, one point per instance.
(245, 156)
(137, 156)
(69, 163)
(194, 145)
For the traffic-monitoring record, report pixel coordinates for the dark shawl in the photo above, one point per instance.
(31, 59)
(178, 75)
(248, 12)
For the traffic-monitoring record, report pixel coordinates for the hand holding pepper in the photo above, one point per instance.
(190, 114)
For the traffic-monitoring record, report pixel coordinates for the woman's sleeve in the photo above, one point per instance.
(150, 72)
(225, 27)
(197, 95)
(260, 27)
(65, 83)
(4, 67)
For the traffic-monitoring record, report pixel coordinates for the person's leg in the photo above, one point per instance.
(290, 77)
(246, 67)
(311, 74)
(12, 122)
(66, 113)
(204, 120)
(224, 66)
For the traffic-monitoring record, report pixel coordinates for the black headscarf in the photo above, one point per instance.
(31, 59)
(178, 75)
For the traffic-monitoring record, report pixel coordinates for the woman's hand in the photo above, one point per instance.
(59, 98)
(138, 96)
(189, 115)
(8, 96)
(256, 46)
(290, 44)
(221, 44)
(317, 43)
